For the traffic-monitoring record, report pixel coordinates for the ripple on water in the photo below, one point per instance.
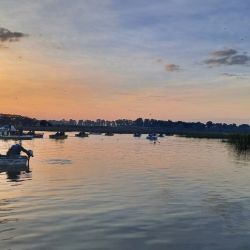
(58, 162)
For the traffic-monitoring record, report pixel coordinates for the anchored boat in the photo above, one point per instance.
(35, 135)
(58, 136)
(109, 134)
(9, 132)
(137, 134)
(152, 137)
(82, 134)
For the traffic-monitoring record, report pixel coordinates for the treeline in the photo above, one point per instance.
(163, 125)
(180, 126)
(17, 120)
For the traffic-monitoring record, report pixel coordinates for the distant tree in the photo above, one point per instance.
(209, 124)
(139, 122)
(44, 123)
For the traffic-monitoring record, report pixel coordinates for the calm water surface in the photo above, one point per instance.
(126, 193)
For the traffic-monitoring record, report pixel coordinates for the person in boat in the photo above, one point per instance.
(16, 149)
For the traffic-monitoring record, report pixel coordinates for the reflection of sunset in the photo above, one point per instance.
(122, 182)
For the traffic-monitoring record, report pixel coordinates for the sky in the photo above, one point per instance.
(87, 59)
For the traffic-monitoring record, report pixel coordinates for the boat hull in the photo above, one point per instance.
(86, 135)
(151, 138)
(58, 137)
(109, 134)
(10, 163)
(40, 135)
(16, 137)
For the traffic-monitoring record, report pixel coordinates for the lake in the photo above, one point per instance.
(122, 192)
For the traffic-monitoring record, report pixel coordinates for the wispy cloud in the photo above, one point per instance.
(172, 67)
(227, 57)
(9, 36)
(169, 67)
(225, 52)
(229, 74)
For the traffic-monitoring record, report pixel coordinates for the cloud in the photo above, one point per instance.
(237, 76)
(227, 57)
(9, 36)
(172, 67)
(229, 74)
(226, 52)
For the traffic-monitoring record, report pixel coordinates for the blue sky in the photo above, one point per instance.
(177, 53)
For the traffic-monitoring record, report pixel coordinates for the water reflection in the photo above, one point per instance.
(19, 176)
(240, 153)
(7, 222)
(59, 161)
(230, 212)
(121, 193)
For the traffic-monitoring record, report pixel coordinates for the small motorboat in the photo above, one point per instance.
(35, 135)
(152, 137)
(95, 133)
(13, 163)
(109, 134)
(38, 135)
(82, 134)
(137, 135)
(58, 136)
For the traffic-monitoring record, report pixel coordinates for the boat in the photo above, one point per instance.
(82, 134)
(137, 135)
(152, 137)
(16, 137)
(58, 136)
(9, 132)
(38, 135)
(35, 135)
(109, 134)
(13, 163)
(161, 135)
(95, 133)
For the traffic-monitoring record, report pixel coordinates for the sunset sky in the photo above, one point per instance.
(87, 59)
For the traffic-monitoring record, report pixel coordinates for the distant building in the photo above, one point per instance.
(7, 130)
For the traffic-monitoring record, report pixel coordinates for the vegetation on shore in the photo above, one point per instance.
(204, 135)
(241, 142)
(237, 134)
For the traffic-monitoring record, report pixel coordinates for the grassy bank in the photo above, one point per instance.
(202, 135)
(240, 141)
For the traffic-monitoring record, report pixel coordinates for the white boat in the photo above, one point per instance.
(13, 163)
(9, 132)
(152, 137)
